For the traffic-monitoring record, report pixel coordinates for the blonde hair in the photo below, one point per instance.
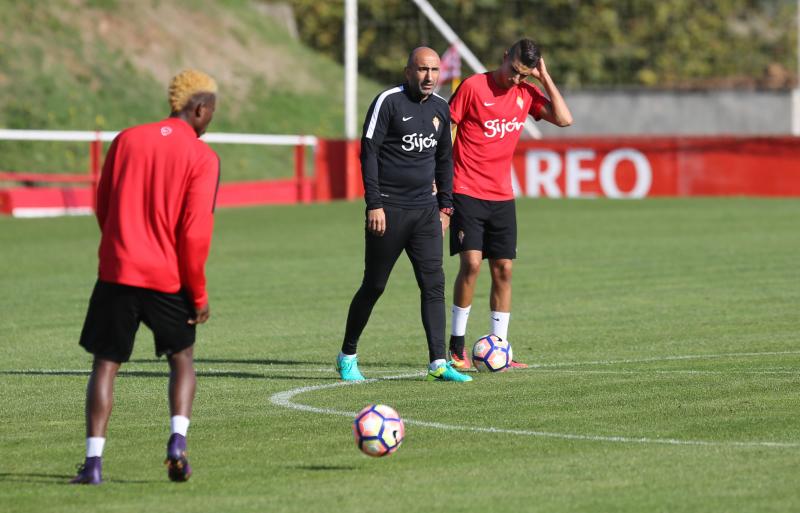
(186, 84)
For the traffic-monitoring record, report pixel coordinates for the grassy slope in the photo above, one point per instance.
(595, 282)
(86, 65)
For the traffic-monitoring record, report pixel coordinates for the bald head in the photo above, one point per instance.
(420, 53)
(422, 71)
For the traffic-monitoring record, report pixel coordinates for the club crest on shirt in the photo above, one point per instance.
(520, 102)
(436, 123)
(165, 131)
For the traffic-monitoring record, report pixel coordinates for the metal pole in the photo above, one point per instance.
(796, 90)
(300, 172)
(95, 164)
(448, 33)
(350, 67)
(465, 52)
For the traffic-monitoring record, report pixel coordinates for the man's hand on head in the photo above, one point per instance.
(540, 71)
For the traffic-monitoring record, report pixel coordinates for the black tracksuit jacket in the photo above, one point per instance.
(405, 146)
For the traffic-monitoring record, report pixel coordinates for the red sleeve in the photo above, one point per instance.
(104, 184)
(197, 223)
(459, 103)
(538, 102)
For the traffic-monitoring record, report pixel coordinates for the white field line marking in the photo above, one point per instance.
(663, 359)
(266, 372)
(542, 366)
(285, 400)
(672, 371)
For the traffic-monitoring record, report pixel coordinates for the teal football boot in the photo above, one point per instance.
(347, 367)
(446, 372)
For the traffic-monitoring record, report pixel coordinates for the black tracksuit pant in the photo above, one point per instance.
(419, 233)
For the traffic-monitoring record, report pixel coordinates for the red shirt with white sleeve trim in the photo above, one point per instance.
(155, 205)
(490, 119)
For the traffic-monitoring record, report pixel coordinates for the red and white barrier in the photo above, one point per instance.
(45, 200)
(619, 167)
(665, 166)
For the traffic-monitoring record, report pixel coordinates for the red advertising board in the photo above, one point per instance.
(629, 167)
(635, 167)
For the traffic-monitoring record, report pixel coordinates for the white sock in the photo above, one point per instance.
(436, 364)
(94, 446)
(498, 324)
(179, 424)
(460, 317)
(342, 356)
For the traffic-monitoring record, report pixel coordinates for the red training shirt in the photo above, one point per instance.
(490, 120)
(155, 205)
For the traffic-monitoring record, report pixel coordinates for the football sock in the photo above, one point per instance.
(436, 364)
(94, 446)
(460, 316)
(179, 424)
(456, 345)
(459, 329)
(498, 324)
(343, 356)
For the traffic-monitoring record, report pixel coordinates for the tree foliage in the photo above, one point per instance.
(587, 43)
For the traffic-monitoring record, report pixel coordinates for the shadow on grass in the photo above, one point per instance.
(165, 374)
(36, 478)
(247, 361)
(59, 479)
(262, 361)
(322, 468)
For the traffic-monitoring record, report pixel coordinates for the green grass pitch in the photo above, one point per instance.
(665, 335)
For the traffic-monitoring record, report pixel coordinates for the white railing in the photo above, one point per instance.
(105, 136)
(97, 138)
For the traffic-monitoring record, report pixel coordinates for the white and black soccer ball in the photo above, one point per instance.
(378, 430)
(491, 353)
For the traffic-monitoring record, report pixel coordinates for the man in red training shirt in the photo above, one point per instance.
(489, 110)
(155, 205)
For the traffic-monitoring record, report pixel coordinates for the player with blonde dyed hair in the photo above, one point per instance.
(155, 205)
(186, 85)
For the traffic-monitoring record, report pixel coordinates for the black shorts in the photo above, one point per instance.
(483, 225)
(115, 312)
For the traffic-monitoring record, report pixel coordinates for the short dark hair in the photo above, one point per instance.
(527, 51)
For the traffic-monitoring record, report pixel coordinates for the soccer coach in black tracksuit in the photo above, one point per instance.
(406, 146)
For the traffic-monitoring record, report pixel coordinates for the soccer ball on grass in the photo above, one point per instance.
(491, 353)
(378, 430)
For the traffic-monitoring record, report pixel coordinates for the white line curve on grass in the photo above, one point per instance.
(285, 399)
